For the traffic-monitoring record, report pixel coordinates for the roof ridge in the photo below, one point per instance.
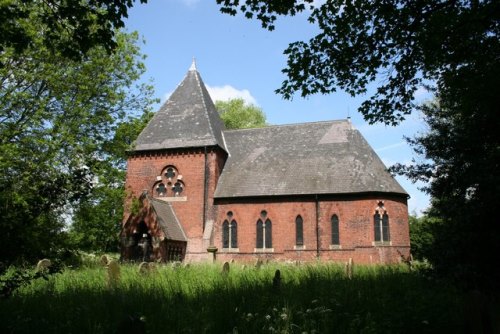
(290, 124)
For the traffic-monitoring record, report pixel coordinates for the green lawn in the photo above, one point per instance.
(317, 298)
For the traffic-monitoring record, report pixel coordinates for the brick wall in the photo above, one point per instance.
(355, 228)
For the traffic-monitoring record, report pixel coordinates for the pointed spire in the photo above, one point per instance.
(193, 65)
(187, 119)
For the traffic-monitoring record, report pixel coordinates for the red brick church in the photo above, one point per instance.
(287, 192)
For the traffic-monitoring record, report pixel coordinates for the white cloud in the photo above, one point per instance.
(227, 92)
(222, 93)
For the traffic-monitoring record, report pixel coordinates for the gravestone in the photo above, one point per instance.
(258, 264)
(349, 268)
(277, 281)
(144, 268)
(104, 260)
(225, 269)
(43, 265)
(113, 273)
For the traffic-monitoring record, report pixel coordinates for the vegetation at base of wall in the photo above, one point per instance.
(202, 299)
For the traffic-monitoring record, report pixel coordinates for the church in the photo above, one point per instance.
(299, 192)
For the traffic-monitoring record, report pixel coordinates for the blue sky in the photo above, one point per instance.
(237, 58)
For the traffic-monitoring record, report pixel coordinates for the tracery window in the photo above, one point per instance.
(264, 237)
(335, 230)
(230, 232)
(169, 183)
(381, 224)
(161, 190)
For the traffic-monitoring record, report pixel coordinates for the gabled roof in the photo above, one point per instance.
(187, 119)
(168, 221)
(310, 158)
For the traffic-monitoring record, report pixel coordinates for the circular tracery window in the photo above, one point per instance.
(168, 183)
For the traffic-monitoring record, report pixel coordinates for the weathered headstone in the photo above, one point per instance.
(104, 260)
(43, 265)
(277, 281)
(243, 267)
(258, 264)
(113, 273)
(176, 265)
(144, 268)
(349, 268)
(225, 269)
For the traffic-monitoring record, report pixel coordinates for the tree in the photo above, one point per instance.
(237, 115)
(422, 236)
(98, 216)
(460, 159)
(71, 28)
(57, 117)
(398, 43)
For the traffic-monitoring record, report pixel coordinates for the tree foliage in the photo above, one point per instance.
(397, 43)
(71, 28)
(98, 216)
(57, 117)
(460, 160)
(236, 114)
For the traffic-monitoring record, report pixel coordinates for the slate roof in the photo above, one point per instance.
(310, 158)
(168, 220)
(187, 119)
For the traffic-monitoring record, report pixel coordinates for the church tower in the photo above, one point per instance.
(172, 172)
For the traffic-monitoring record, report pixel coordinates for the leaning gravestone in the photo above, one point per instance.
(113, 273)
(43, 265)
(225, 269)
(104, 260)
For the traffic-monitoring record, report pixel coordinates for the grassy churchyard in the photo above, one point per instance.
(235, 298)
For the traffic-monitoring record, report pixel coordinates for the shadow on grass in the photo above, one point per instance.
(309, 299)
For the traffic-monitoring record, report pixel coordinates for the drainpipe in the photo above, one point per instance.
(317, 226)
(205, 189)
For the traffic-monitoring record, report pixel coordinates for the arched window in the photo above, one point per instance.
(385, 227)
(299, 231)
(264, 236)
(335, 230)
(268, 236)
(381, 227)
(234, 234)
(225, 234)
(229, 232)
(260, 234)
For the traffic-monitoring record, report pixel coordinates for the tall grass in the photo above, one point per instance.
(199, 299)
